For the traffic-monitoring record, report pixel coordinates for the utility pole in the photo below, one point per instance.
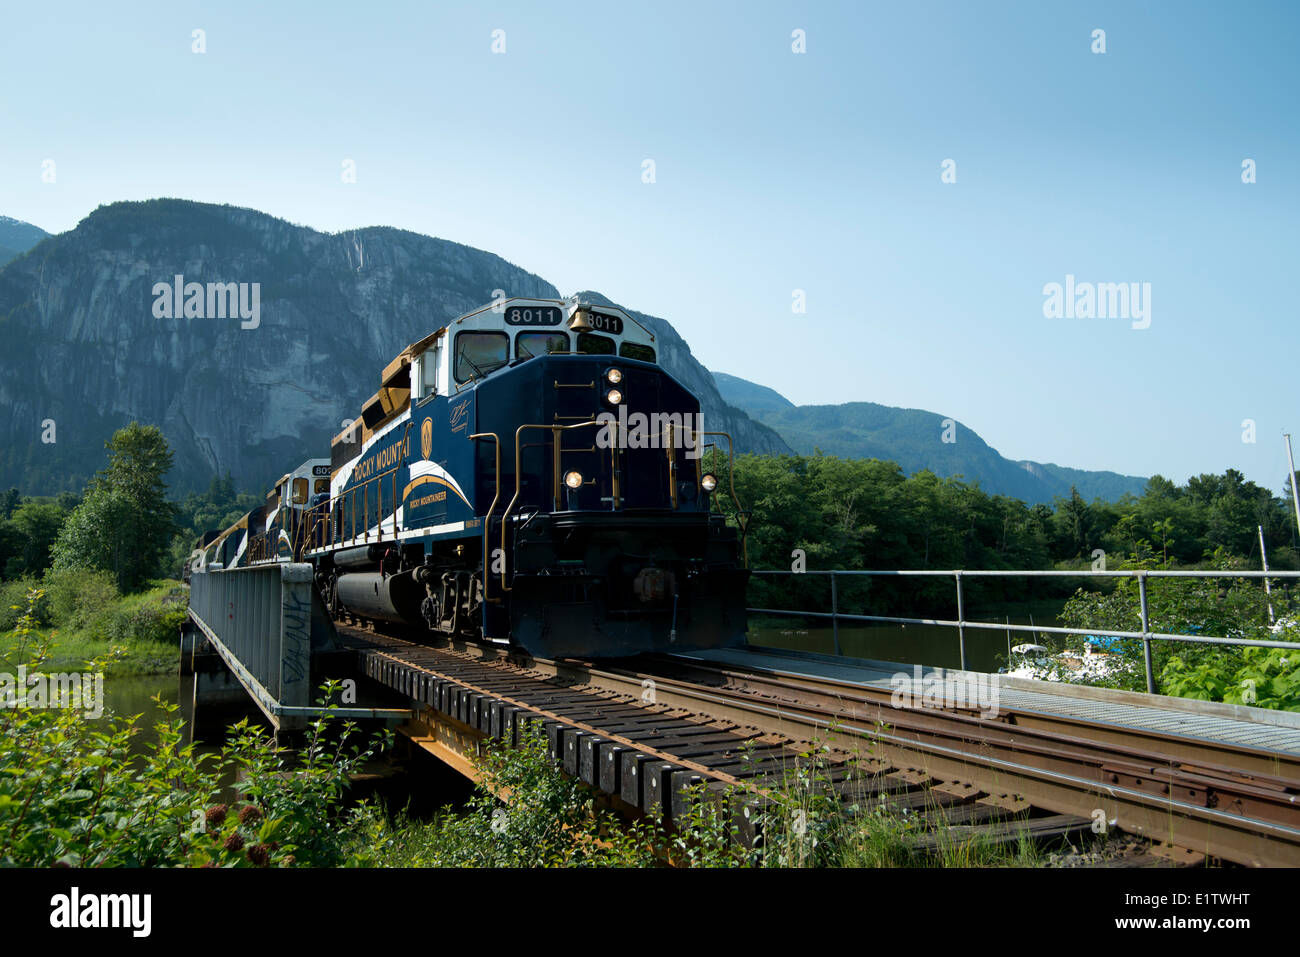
(1263, 557)
(1295, 496)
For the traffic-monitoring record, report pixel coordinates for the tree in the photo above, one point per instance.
(125, 523)
(1160, 487)
(37, 524)
(1074, 524)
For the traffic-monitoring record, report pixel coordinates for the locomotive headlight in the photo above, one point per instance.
(573, 479)
(615, 376)
(614, 397)
(708, 482)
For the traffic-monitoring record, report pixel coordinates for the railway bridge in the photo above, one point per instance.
(966, 753)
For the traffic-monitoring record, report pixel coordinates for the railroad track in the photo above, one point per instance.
(650, 731)
(1236, 803)
(773, 675)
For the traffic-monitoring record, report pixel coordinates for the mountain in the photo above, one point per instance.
(85, 349)
(16, 237)
(756, 399)
(1107, 486)
(915, 440)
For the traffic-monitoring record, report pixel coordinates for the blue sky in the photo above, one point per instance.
(774, 171)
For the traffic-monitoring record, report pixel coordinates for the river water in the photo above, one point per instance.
(907, 644)
(132, 695)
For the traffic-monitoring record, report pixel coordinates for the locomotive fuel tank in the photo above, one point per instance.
(376, 595)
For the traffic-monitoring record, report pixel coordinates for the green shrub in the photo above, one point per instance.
(551, 820)
(14, 604)
(135, 622)
(1260, 677)
(76, 596)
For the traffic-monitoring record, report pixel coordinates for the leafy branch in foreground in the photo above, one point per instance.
(74, 792)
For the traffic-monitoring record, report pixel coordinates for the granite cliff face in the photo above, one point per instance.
(85, 349)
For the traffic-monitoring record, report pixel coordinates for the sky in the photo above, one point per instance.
(780, 179)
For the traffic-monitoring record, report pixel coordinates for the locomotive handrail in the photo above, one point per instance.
(348, 498)
(668, 434)
(555, 455)
(672, 465)
(731, 481)
(487, 519)
(331, 515)
(613, 466)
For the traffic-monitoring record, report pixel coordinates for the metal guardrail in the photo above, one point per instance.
(259, 620)
(1146, 635)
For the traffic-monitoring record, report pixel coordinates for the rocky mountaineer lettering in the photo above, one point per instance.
(379, 461)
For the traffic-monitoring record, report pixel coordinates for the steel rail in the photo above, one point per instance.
(836, 700)
(1228, 756)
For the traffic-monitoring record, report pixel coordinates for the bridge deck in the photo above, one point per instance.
(1225, 724)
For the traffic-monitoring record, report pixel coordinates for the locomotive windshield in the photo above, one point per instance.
(594, 345)
(529, 344)
(478, 353)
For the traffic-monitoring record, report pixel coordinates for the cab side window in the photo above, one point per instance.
(634, 350)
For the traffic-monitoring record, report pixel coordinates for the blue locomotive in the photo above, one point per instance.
(526, 475)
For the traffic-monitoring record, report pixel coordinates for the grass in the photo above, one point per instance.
(139, 630)
(70, 652)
